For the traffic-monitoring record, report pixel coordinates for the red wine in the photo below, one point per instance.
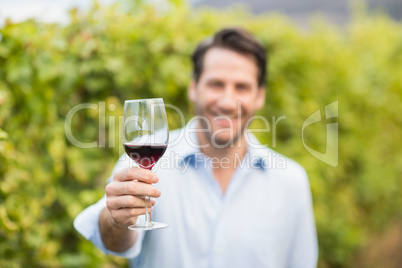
(145, 155)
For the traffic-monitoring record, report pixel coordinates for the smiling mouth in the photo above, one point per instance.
(223, 122)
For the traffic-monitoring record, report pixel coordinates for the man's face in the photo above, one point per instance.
(226, 95)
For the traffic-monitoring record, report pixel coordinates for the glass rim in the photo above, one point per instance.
(139, 100)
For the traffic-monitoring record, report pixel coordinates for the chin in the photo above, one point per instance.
(224, 141)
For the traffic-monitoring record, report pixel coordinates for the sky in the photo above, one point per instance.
(42, 10)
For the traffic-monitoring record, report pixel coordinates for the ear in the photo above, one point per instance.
(260, 101)
(192, 94)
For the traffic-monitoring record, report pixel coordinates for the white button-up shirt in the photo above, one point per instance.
(264, 219)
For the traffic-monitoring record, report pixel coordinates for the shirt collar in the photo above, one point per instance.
(256, 152)
(188, 149)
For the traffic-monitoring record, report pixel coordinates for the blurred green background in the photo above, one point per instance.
(108, 54)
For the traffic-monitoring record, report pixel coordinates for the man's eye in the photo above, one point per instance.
(242, 87)
(215, 84)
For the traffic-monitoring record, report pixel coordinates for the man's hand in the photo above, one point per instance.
(125, 195)
(124, 203)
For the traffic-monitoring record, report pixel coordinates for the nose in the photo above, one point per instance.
(228, 100)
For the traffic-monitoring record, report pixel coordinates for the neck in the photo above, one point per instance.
(237, 147)
(225, 159)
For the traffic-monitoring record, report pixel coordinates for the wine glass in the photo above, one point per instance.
(145, 138)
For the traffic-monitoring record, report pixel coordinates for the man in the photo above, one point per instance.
(225, 205)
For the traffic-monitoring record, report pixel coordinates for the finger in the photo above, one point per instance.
(124, 215)
(132, 188)
(128, 201)
(135, 173)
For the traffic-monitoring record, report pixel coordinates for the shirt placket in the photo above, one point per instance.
(219, 231)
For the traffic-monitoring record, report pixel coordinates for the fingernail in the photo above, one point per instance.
(158, 193)
(155, 179)
(153, 202)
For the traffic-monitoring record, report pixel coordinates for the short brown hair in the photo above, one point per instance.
(238, 40)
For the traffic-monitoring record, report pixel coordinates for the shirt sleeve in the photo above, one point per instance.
(86, 223)
(304, 253)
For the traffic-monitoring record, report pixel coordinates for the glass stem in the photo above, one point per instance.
(147, 216)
